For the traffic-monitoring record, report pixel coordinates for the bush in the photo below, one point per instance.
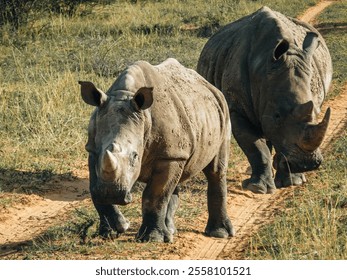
(18, 12)
(14, 12)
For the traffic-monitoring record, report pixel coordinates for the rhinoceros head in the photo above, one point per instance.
(115, 141)
(289, 119)
(297, 139)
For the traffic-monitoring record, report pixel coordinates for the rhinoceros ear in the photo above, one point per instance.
(310, 43)
(92, 95)
(281, 48)
(143, 98)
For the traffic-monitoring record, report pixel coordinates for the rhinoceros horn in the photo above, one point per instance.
(313, 134)
(108, 166)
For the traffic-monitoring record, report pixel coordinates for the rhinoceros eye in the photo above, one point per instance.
(277, 118)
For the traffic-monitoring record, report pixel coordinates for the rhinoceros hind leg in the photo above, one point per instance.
(218, 224)
(284, 179)
(171, 210)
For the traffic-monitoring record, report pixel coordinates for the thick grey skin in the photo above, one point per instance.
(176, 124)
(274, 72)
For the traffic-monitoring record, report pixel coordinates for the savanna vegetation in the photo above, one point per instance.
(43, 120)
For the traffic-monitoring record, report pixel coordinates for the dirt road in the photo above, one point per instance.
(311, 13)
(34, 214)
(248, 211)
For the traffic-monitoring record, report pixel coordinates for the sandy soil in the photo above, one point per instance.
(310, 14)
(34, 213)
(247, 211)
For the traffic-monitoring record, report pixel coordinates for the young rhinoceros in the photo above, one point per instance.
(274, 72)
(159, 125)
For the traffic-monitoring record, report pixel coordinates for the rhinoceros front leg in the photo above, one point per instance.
(112, 220)
(155, 202)
(258, 154)
(218, 224)
(285, 179)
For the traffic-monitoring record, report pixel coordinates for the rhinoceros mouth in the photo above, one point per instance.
(110, 194)
(297, 162)
(99, 199)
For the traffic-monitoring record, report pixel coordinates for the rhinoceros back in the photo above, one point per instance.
(235, 58)
(196, 120)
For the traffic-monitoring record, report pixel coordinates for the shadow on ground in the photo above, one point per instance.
(45, 183)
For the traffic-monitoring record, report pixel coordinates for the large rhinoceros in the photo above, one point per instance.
(159, 125)
(274, 72)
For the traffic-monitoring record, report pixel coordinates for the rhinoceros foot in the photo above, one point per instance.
(222, 229)
(153, 235)
(258, 186)
(112, 228)
(284, 179)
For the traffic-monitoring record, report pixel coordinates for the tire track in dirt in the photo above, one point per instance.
(248, 211)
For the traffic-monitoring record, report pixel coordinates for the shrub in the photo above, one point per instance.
(18, 12)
